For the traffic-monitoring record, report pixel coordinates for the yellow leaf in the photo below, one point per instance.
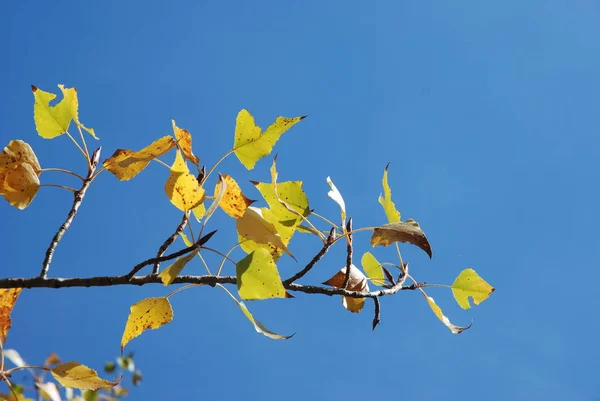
(76, 375)
(373, 269)
(19, 185)
(185, 239)
(126, 164)
(184, 140)
(253, 226)
(199, 211)
(357, 282)
(469, 284)
(8, 297)
(337, 197)
(258, 278)
(249, 145)
(438, 312)
(170, 273)
(407, 231)
(182, 188)
(285, 233)
(392, 214)
(149, 313)
(16, 153)
(233, 202)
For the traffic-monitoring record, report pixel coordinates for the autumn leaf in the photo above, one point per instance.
(184, 140)
(438, 312)
(258, 278)
(253, 226)
(357, 282)
(8, 298)
(337, 197)
(126, 164)
(170, 273)
(52, 359)
(18, 152)
(149, 313)
(373, 268)
(76, 375)
(233, 202)
(185, 239)
(19, 185)
(182, 188)
(199, 211)
(284, 232)
(469, 284)
(249, 145)
(407, 231)
(392, 214)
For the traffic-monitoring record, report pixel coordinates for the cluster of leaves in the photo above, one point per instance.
(263, 233)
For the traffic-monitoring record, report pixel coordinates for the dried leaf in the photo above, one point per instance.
(52, 359)
(76, 375)
(249, 145)
(253, 226)
(18, 152)
(438, 312)
(357, 282)
(149, 313)
(258, 278)
(469, 284)
(170, 273)
(233, 201)
(184, 140)
(337, 197)
(407, 231)
(8, 298)
(392, 214)
(126, 164)
(373, 268)
(19, 185)
(182, 188)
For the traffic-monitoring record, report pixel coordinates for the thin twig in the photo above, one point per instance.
(348, 252)
(377, 317)
(169, 241)
(78, 198)
(62, 170)
(59, 186)
(314, 260)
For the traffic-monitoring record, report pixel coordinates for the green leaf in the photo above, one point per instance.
(258, 278)
(249, 145)
(469, 284)
(392, 214)
(169, 274)
(89, 395)
(109, 367)
(407, 231)
(373, 269)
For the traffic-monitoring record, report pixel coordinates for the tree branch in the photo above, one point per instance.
(318, 256)
(169, 241)
(78, 198)
(349, 252)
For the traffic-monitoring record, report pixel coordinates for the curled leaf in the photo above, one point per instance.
(407, 231)
(438, 312)
(253, 226)
(233, 202)
(373, 268)
(149, 313)
(258, 278)
(184, 140)
(469, 284)
(392, 214)
(337, 197)
(126, 164)
(357, 282)
(170, 273)
(76, 375)
(182, 187)
(8, 298)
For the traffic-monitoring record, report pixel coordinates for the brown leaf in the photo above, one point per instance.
(52, 359)
(407, 231)
(357, 282)
(8, 297)
(184, 140)
(126, 164)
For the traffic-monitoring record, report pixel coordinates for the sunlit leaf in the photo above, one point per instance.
(182, 188)
(258, 278)
(438, 312)
(407, 231)
(337, 197)
(285, 233)
(469, 284)
(249, 145)
(50, 389)
(233, 201)
(18, 152)
(149, 313)
(8, 297)
(357, 282)
(185, 239)
(76, 375)
(392, 214)
(126, 164)
(184, 140)
(199, 211)
(170, 273)
(373, 268)
(253, 226)
(19, 185)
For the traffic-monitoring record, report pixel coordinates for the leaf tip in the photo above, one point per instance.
(303, 117)
(34, 88)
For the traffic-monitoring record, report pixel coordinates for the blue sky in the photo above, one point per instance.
(487, 112)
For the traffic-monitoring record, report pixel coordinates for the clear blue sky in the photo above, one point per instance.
(487, 111)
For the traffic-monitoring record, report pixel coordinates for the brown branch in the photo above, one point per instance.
(318, 256)
(78, 198)
(349, 252)
(377, 317)
(169, 241)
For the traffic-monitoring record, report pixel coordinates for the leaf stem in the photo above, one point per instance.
(227, 256)
(185, 287)
(326, 220)
(215, 165)
(84, 144)
(220, 253)
(59, 186)
(162, 162)
(62, 171)
(85, 155)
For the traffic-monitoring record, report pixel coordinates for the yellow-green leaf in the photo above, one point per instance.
(357, 282)
(285, 233)
(337, 197)
(76, 375)
(258, 278)
(185, 239)
(233, 202)
(126, 164)
(438, 312)
(392, 214)
(149, 313)
(469, 284)
(170, 273)
(19, 185)
(184, 140)
(182, 188)
(249, 145)
(199, 211)
(253, 226)
(8, 298)
(373, 268)
(407, 231)
(52, 121)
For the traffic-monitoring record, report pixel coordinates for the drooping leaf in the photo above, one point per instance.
(76, 375)
(337, 197)
(182, 188)
(170, 273)
(19, 185)
(18, 152)
(8, 298)
(357, 282)
(50, 390)
(233, 201)
(407, 231)
(373, 268)
(199, 211)
(249, 145)
(149, 313)
(393, 215)
(253, 226)
(184, 140)
(258, 278)
(438, 312)
(126, 164)
(217, 199)
(469, 284)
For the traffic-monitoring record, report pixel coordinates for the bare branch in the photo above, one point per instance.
(169, 241)
(349, 252)
(318, 256)
(78, 198)
(377, 317)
